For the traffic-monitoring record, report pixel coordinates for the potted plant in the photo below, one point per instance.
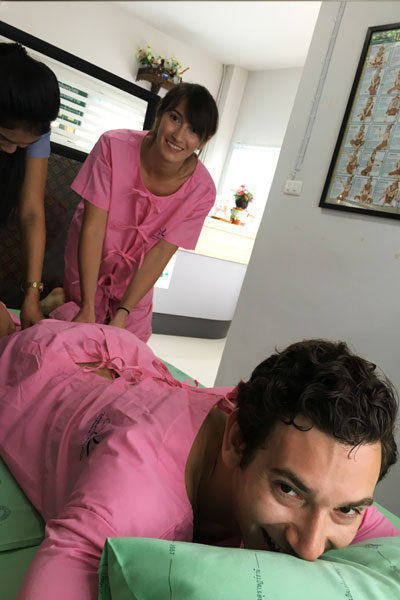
(242, 198)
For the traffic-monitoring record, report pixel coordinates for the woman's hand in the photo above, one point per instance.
(85, 315)
(30, 311)
(119, 319)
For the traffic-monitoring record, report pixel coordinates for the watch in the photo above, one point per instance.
(35, 284)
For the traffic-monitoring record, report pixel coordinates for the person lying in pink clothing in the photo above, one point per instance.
(106, 443)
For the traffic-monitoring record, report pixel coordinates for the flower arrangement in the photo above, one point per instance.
(147, 59)
(170, 66)
(242, 197)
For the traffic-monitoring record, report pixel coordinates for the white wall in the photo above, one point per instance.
(108, 36)
(264, 114)
(315, 272)
(266, 106)
(229, 102)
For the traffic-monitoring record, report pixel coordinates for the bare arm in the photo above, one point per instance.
(33, 229)
(89, 256)
(144, 278)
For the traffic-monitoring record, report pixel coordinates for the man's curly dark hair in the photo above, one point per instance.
(338, 392)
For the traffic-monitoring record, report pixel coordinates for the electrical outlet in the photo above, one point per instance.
(293, 187)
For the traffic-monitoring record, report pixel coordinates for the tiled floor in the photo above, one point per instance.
(197, 357)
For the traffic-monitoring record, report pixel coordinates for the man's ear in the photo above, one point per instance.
(232, 443)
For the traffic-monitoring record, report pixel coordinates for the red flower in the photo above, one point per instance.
(240, 193)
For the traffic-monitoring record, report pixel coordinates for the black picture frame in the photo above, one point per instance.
(364, 173)
(17, 35)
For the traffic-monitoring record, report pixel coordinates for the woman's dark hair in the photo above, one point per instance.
(336, 391)
(201, 109)
(29, 100)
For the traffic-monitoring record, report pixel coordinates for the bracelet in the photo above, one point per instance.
(35, 284)
(123, 308)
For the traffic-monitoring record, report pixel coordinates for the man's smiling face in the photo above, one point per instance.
(304, 492)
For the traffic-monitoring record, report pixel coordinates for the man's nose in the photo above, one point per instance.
(308, 538)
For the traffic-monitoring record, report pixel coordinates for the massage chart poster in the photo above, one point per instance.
(365, 169)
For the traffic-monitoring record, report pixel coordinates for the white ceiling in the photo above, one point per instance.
(254, 35)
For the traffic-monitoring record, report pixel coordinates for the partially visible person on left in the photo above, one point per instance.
(29, 101)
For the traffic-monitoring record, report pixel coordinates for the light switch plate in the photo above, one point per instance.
(293, 187)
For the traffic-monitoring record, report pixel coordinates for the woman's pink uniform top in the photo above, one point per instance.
(110, 178)
(100, 458)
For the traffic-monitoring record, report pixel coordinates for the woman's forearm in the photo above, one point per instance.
(144, 278)
(33, 230)
(89, 254)
(32, 218)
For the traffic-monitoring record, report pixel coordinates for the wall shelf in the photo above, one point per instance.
(157, 82)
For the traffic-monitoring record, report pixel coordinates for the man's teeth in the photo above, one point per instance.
(173, 146)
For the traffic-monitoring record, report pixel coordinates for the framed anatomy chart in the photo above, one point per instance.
(364, 175)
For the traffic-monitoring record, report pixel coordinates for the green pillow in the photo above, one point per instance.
(149, 569)
(20, 524)
(13, 566)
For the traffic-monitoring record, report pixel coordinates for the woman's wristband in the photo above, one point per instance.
(123, 308)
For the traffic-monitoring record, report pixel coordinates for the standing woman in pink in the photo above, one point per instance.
(145, 193)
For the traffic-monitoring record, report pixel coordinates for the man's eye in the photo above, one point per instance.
(287, 490)
(349, 512)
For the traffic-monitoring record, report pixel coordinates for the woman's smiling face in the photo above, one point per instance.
(304, 492)
(176, 139)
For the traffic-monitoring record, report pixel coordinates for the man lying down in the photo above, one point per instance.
(106, 443)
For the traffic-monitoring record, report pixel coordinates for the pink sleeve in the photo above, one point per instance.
(187, 232)
(66, 564)
(93, 182)
(374, 525)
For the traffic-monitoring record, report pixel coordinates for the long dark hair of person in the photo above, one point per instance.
(29, 100)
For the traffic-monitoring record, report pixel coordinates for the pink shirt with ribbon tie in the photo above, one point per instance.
(110, 179)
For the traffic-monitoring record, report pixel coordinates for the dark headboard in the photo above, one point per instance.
(60, 204)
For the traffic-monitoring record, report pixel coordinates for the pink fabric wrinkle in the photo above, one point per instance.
(111, 282)
(130, 373)
(153, 204)
(110, 287)
(165, 374)
(138, 228)
(228, 403)
(189, 381)
(128, 260)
